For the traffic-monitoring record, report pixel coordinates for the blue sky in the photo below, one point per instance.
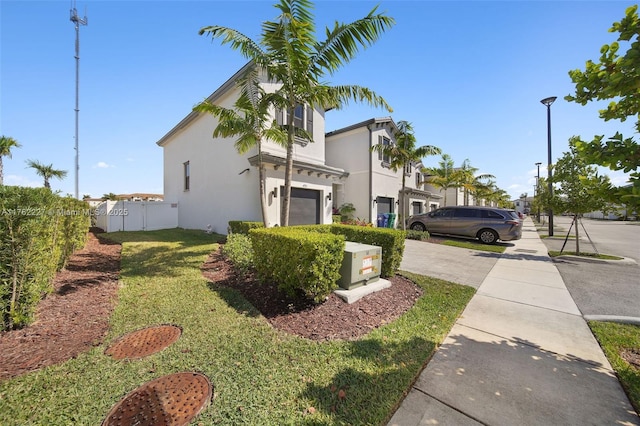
(469, 76)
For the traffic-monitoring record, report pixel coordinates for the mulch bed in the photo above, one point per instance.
(75, 317)
(332, 319)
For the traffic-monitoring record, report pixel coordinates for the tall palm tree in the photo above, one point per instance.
(442, 177)
(290, 54)
(6, 144)
(252, 122)
(46, 171)
(469, 181)
(402, 154)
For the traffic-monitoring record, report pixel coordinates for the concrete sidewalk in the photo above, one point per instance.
(521, 353)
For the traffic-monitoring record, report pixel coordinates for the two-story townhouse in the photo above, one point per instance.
(213, 184)
(373, 187)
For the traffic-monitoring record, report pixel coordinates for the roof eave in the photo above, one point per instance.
(226, 86)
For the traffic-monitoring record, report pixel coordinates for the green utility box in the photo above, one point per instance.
(361, 264)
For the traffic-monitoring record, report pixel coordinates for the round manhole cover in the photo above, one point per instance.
(145, 342)
(169, 400)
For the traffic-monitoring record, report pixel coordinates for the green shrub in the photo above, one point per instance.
(243, 227)
(239, 251)
(417, 235)
(307, 262)
(40, 230)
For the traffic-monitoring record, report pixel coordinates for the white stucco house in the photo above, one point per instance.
(372, 186)
(212, 183)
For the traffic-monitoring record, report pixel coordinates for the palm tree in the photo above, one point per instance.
(291, 56)
(468, 180)
(402, 154)
(46, 171)
(6, 143)
(251, 121)
(442, 177)
(491, 193)
(110, 196)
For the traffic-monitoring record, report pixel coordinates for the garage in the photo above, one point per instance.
(384, 204)
(305, 206)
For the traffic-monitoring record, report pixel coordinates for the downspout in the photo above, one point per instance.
(370, 174)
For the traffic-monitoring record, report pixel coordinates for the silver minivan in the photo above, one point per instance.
(488, 224)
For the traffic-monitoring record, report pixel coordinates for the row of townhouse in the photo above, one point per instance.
(213, 184)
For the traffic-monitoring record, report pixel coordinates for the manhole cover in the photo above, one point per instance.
(169, 400)
(145, 342)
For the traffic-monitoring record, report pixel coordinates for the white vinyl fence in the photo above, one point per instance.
(114, 216)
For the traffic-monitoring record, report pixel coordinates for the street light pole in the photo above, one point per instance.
(538, 190)
(547, 102)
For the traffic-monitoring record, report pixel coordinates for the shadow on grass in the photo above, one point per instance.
(357, 397)
(168, 250)
(175, 235)
(235, 300)
(489, 381)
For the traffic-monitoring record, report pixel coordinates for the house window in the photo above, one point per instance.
(384, 157)
(416, 207)
(298, 116)
(408, 168)
(302, 119)
(187, 176)
(418, 181)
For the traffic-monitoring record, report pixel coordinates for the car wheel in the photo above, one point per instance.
(417, 226)
(488, 236)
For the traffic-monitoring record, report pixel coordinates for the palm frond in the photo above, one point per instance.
(343, 42)
(238, 41)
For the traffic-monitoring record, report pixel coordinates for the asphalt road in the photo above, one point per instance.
(601, 288)
(598, 288)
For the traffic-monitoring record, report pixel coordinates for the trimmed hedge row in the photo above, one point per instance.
(242, 227)
(306, 261)
(39, 230)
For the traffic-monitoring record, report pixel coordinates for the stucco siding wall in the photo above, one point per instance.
(350, 151)
(217, 193)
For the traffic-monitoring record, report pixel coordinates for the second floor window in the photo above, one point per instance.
(384, 157)
(408, 169)
(302, 118)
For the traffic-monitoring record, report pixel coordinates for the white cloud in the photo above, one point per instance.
(102, 165)
(16, 180)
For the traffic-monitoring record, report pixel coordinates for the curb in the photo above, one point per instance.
(613, 318)
(623, 261)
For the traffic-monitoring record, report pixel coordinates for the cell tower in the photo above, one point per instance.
(77, 22)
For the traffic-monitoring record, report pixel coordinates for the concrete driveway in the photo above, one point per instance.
(458, 265)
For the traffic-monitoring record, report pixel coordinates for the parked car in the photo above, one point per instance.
(488, 224)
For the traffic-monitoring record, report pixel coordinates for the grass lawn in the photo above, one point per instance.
(260, 375)
(554, 253)
(614, 338)
(474, 245)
